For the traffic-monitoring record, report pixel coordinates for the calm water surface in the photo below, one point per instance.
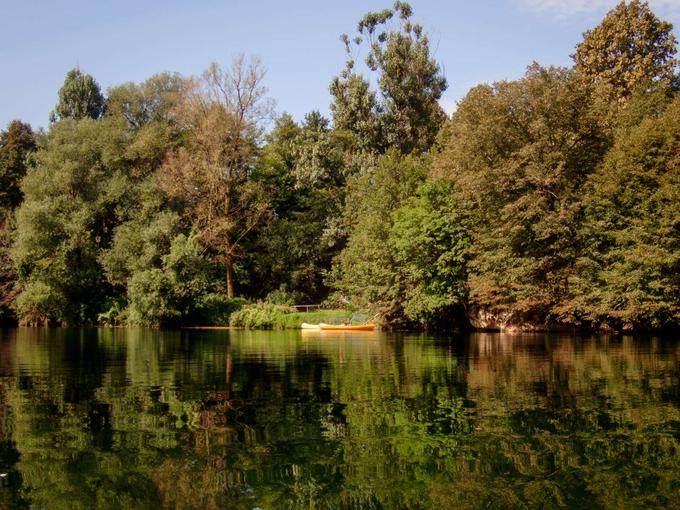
(274, 420)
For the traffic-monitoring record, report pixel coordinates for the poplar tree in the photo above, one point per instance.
(405, 111)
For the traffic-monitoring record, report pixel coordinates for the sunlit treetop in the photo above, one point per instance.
(630, 48)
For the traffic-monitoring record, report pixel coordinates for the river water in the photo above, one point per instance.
(134, 418)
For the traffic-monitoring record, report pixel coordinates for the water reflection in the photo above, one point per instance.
(210, 419)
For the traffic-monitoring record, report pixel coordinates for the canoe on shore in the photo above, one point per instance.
(342, 327)
(311, 327)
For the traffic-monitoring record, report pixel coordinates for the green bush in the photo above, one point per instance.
(115, 315)
(37, 304)
(260, 316)
(267, 316)
(181, 292)
(215, 308)
(282, 296)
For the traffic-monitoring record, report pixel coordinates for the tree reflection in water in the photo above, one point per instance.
(208, 419)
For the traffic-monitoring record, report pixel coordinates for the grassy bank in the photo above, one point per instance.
(267, 316)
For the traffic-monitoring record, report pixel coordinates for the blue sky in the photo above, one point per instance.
(298, 42)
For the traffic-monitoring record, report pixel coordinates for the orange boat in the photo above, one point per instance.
(342, 327)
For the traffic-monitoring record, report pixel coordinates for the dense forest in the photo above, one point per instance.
(548, 201)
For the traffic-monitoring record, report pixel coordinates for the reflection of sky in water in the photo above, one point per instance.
(241, 419)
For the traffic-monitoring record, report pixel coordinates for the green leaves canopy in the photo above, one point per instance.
(79, 97)
(629, 274)
(518, 154)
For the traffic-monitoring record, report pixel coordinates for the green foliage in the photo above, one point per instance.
(407, 115)
(150, 102)
(92, 177)
(17, 143)
(8, 274)
(65, 219)
(302, 170)
(548, 199)
(368, 272)
(175, 292)
(262, 315)
(140, 243)
(431, 242)
(356, 110)
(519, 154)
(215, 308)
(629, 49)
(282, 296)
(629, 274)
(79, 97)
(41, 304)
(93, 214)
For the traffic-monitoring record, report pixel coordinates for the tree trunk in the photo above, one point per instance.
(230, 277)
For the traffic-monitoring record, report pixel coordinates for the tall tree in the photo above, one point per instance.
(90, 177)
(79, 97)
(16, 144)
(630, 48)
(66, 218)
(368, 271)
(223, 113)
(628, 276)
(519, 154)
(302, 168)
(407, 114)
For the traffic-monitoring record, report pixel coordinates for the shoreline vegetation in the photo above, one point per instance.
(550, 202)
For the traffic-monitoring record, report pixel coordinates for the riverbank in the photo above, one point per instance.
(267, 316)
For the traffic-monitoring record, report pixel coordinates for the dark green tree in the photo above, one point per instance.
(79, 97)
(629, 274)
(368, 272)
(17, 143)
(302, 168)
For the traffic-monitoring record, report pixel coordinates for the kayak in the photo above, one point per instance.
(342, 327)
(313, 327)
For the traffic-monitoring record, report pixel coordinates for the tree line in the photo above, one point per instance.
(551, 200)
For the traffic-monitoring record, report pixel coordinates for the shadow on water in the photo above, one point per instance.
(141, 418)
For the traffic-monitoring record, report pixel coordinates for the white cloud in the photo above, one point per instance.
(572, 7)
